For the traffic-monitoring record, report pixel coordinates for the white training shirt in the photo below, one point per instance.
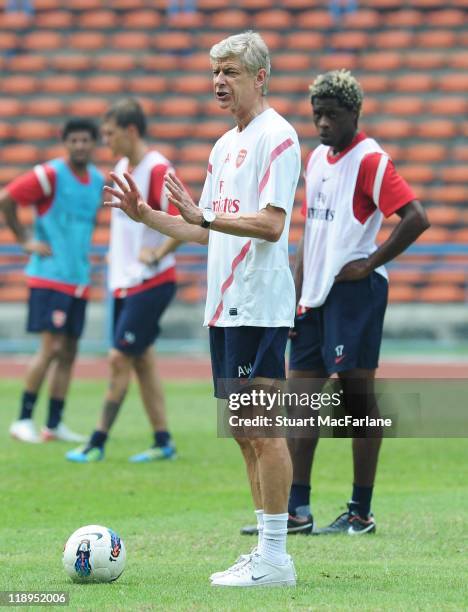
(127, 238)
(249, 279)
(345, 199)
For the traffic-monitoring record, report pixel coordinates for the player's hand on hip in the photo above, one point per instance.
(354, 270)
(126, 197)
(148, 256)
(36, 246)
(178, 195)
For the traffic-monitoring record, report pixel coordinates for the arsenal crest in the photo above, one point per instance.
(240, 157)
(58, 318)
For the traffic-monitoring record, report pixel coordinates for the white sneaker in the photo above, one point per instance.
(62, 433)
(25, 431)
(240, 561)
(259, 572)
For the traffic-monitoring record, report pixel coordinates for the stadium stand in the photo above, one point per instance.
(411, 57)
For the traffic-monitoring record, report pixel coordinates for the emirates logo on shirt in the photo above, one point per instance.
(240, 157)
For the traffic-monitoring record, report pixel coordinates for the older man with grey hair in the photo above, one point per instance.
(243, 215)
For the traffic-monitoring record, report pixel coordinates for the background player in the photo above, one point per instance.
(244, 215)
(66, 194)
(142, 278)
(341, 283)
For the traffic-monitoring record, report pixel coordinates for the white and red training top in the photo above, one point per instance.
(128, 275)
(346, 198)
(249, 280)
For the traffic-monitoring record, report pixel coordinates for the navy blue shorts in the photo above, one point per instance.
(136, 318)
(53, 311)
(346, 332)
(246, 352)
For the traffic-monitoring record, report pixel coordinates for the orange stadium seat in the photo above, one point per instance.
(192, 173)
(362, 19)
(142, 20)
(160, 62)
(19, 154)
(35, 130)
(448, 18)
(407, 275)
(60, 20)
(405, 18)
(195, 153)
(288, 62)
(178, 107)
(290, 84)
(448, 105)
(230, 18)
(456, 81)
(205, 40)
(402, 293)
(391, 128)
(433, 39)
(458, 60)
(393, 39)
(27, 63)
(374, 83)
(460, 236)
(173, 41)
(201, 84)
(103, 155)
(437, 128)
(255, 5)
(14, 20)
(6, 130)
(115, 62)
(408, 105)
(282, 104)
(130, 40)
(335, 61)
(455, 174)
(211, 108)
(75, 62)
(459, 152)
(314, 20)
(424, 60)
(10, 107)
(305, 129)
(273, 39)
(65, 84)
(393, 150)
(273, 19)
(2, 63)
(47, 5)
(447, 276)
(170, 130)
(191, 20)
(387, 60)
(88, 107)
(417, 173)
(196, 62)
(415, 81)
(443, 215)
(147, 84)
(131, 5)
(442, 293)
(211, 130)
(43, 40)
(103, 84)
(86, 41)
(305, 41)
(85, 5)
(9, 41)
(57, 150)
(299, 4)
(209, 5)
(8, 173)
(18, 85)
(148, 104)
(458, 194)
(97, 20)
(427, 152)
(355, 40)
(370, 106)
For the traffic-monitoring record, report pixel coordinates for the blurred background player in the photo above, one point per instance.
(66, 194)
(142, 278)
(341, 284)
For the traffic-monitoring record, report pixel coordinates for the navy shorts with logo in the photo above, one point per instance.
(56, 312)
(346, 332)
(136, 318)
(246, 352)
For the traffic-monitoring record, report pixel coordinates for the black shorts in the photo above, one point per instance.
(136, 318)
(346, 332)
(246, 352)
(53, 311)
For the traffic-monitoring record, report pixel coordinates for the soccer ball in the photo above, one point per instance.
(94, 554)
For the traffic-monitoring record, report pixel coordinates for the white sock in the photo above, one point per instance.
(259, 514)
(275, 531)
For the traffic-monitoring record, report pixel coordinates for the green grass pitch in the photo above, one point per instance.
(180, 520)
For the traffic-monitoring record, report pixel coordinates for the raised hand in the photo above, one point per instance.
(127, 197)
(36, 246)
(178, 195)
